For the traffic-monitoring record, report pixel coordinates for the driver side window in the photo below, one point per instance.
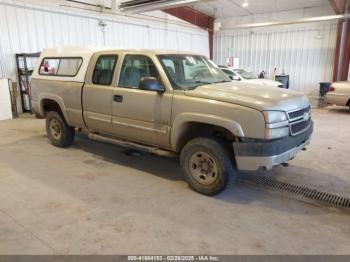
(134, 68)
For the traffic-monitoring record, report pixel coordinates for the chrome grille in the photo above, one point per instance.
(299, 127)
(299, 120)
(299, 113)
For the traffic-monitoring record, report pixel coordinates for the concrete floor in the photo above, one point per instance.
(94, 199)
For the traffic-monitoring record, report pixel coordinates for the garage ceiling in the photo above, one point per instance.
(224, 8)
(233, 8)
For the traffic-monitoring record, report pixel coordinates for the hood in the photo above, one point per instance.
(264, 82)
(252, 95)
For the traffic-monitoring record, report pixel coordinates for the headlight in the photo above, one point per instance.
(277, 125)
(275, 133)
(274, 116)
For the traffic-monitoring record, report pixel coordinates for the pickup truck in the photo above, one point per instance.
(170, 103)
(248, 77)
(339, 94)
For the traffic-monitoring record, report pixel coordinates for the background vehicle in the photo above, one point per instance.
(339, 94)
(249, 77)
(166, 103)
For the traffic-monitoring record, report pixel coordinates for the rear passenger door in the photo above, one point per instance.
(97, 93)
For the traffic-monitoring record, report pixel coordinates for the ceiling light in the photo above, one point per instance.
(288, 22)
(245, 4)
(217, 25)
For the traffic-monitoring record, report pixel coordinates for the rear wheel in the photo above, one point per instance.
(207, 165)
(58, 131)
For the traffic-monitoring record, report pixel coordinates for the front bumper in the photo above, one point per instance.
(251, 156)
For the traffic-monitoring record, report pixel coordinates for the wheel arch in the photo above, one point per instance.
(50, 102)
(188, 126)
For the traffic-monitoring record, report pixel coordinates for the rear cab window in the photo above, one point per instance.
(104, 69)
(60, 66)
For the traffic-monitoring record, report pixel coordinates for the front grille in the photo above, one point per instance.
(299, 120)
(299, 113)
(298, 127)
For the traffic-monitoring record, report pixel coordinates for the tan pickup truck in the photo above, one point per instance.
(169, 102)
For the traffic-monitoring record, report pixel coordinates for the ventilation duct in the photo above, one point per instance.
(140, 6)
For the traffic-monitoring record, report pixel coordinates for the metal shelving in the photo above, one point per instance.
(25, 64)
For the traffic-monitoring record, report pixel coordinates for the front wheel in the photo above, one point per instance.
(58, 131)
(207, 165)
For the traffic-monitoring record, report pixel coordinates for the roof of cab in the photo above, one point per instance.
(86, 53)
(89, 51)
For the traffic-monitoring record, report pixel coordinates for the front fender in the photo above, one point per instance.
(183, 118)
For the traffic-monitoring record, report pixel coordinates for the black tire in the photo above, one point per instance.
(214, 179)
(58, 131)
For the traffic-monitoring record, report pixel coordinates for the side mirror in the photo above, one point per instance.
(151, 84)
(231, 77)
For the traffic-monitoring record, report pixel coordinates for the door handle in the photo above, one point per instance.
(118, 98)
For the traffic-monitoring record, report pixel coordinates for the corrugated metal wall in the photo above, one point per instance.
(32, 28)
(305, 52)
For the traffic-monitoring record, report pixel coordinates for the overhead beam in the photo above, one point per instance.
(101, 5)
(339, 6)
(196, 18)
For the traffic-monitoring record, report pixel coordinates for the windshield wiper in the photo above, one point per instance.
(223, 81)
(203, 82)
(199, 83)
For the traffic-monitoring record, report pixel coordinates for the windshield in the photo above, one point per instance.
(245, 74)
(228, 72)
(190, 71)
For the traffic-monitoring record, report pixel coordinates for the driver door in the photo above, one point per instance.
(141, 115)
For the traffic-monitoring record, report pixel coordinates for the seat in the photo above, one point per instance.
(132, 77)
(171, 73)
(105, 77)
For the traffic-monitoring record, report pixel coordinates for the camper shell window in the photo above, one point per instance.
(60, 66)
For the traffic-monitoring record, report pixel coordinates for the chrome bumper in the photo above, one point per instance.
(253, 156)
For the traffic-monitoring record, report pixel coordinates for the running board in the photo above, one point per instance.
(127, 144)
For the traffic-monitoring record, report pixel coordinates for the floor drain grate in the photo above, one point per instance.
(302, 191)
